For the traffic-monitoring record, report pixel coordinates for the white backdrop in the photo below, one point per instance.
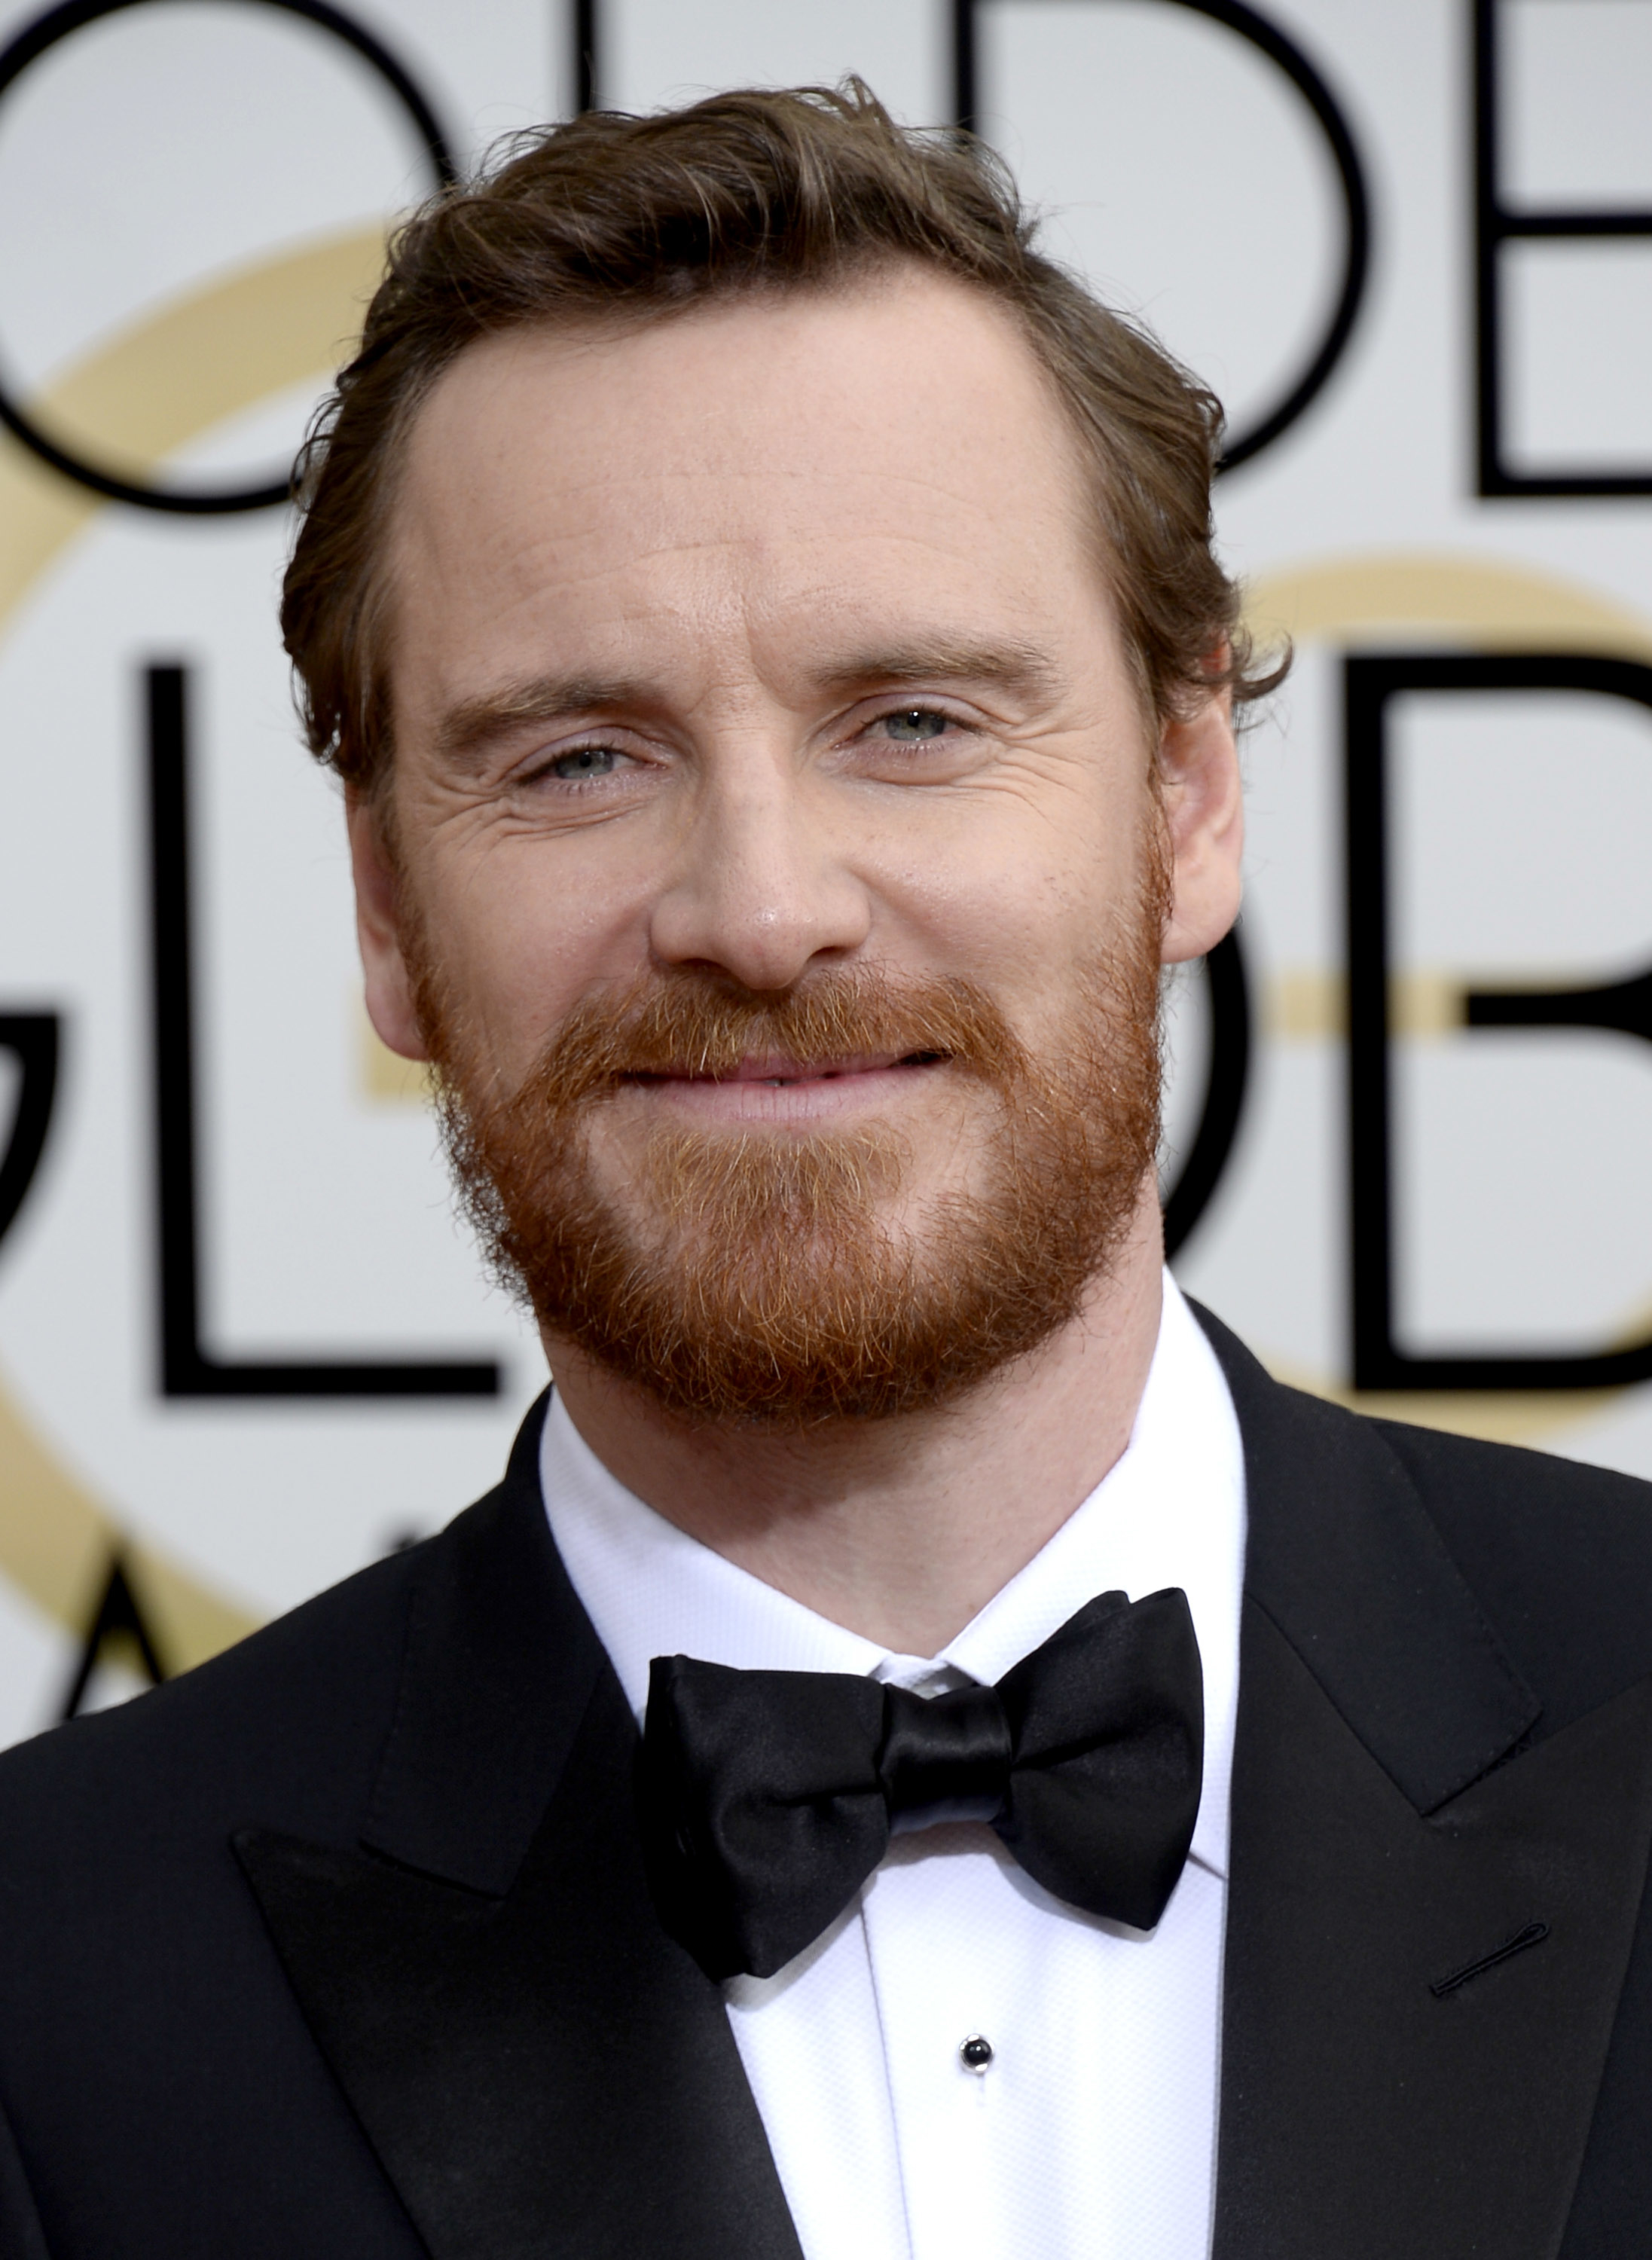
(191, 193)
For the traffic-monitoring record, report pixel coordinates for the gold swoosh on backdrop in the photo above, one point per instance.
(190, 364)
(56, 1544)
(183, 367)
(174, 375)
(1482, 602)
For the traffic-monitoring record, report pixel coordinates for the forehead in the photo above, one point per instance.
(772, 466)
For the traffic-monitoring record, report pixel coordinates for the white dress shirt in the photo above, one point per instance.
(1091, 2133)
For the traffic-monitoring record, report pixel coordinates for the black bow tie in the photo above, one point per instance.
(767, 1797)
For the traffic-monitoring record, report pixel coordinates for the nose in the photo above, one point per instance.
(761, 888)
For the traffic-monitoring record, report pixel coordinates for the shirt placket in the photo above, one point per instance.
(929, 1929)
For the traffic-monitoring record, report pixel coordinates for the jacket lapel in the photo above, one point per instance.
(538, 2067)
(1430, 1907)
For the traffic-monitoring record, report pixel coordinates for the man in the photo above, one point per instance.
(765, 619)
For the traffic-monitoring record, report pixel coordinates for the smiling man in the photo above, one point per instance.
(775, 863)
(928, 1749)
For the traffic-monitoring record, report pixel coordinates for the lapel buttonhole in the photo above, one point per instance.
(1533, 1934)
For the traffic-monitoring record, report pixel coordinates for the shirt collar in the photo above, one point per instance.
(1170, 1512)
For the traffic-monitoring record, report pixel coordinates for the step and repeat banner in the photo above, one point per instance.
(243, 1346)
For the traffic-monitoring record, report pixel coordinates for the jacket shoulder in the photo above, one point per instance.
(289, 1721)
(1558, 1552)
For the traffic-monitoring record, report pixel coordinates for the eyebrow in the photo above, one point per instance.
(1018, 667)
(466, 730)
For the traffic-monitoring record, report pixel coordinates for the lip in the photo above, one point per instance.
(786, 1091)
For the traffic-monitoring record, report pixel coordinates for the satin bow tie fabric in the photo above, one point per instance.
(768, 1798)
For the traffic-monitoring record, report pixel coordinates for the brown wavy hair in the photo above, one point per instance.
(612, 217)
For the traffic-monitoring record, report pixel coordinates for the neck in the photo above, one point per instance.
(901, 1530)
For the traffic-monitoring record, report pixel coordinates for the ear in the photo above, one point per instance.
(389, 988)
(1204, 825)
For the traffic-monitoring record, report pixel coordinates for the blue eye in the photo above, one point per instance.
(588, 761)
(913, 725)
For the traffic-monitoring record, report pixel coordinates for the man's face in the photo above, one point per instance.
(782, 876)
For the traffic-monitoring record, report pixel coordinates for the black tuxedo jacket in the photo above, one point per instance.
(339, 1947)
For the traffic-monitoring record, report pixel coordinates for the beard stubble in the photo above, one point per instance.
(755, 1276)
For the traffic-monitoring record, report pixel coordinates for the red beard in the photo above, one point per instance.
(749, 1276)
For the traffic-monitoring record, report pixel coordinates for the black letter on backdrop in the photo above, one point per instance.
(1626, 1005)
(33, 1037)
(1494, 227)
(587, 53)
(29, 44)
(187, 1369)
(116, 1623)
(1286, 57)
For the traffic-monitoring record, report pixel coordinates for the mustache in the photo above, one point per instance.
(696, 1024)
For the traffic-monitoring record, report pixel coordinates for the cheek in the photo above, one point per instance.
(1017, 896)
(519, 939)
